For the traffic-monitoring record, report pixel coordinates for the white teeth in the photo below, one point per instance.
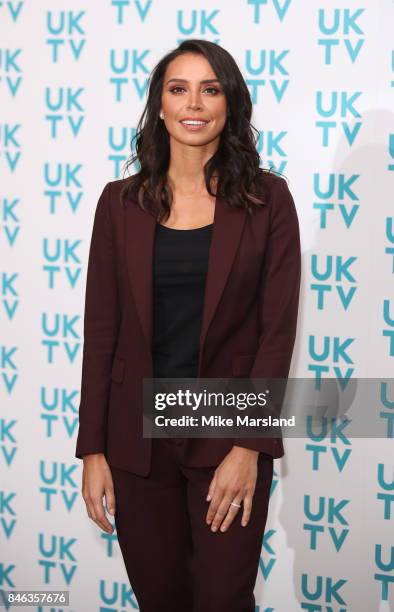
(190, 122)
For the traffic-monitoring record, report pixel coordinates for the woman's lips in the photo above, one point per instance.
(194, 127)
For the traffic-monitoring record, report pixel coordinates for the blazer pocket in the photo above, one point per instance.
(118, 369)
(242, 364)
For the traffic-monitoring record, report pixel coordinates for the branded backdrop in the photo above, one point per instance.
(73, 79)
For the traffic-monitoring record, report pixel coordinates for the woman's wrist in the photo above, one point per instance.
(246, 451)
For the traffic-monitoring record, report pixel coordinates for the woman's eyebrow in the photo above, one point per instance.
(186, 81)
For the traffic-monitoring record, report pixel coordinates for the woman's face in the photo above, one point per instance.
(186, 96)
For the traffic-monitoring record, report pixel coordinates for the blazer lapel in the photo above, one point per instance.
(226, 235)
(140, 234)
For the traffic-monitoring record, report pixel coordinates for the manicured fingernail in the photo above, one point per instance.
(222, 529)
(208, 497)
(214, 528)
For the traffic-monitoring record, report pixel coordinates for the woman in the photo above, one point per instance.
(194, 271)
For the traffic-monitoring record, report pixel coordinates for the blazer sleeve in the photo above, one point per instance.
(278, 299)
(101, 324)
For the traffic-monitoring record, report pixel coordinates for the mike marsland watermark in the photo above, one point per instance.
(262, 407)
(193, 401)
(219, 421)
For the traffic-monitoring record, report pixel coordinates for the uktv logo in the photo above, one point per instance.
(61, 262)
(9, 294)
(11, 223)
(384, 560)
(388, 318)
(63, 182)
(8, 514)
(10, 146)
(9, 371)
(123, 8)
(60, 336)
(332, 273)
(265, 69)
(324, 445)
(126, 68)
(385, 493)
(57, 559)
(325, 519)
(323, 593)
(338, 109)
(59, 412)
(119, 596)
(271, 143)
(118, 147)
(12, 71)
(66, 34)
(266, 566)
(198, 23)
(280, 8)
(341, 30)
(12, 9)
(8, 444)
(386, 410)
(64, 111)
(337, 199)
(390, 238)
(57, 485)
(335, 352)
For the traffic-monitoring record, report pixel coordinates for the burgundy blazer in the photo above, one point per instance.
(248, 326)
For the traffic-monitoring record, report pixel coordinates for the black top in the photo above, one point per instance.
(180, 264)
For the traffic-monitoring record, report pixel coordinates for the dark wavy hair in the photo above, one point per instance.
(235, 164)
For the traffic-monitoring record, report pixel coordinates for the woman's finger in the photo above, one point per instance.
(211, 489)
(88, 510)
(99, 517)
(232, 513)
(215, 503)
(223, 509)
(247, 509)
(110, 499)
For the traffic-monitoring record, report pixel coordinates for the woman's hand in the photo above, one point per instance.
(96, 482)
(234, 481)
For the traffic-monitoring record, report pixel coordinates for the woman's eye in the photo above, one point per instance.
(174, 89)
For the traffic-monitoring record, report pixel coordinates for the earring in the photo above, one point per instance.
(161, 115)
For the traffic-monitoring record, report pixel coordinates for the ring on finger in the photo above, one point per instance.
(233, 503)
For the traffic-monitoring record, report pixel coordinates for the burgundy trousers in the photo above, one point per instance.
(172, 558)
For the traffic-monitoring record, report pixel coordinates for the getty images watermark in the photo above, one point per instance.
(262, 407)
(192, 400)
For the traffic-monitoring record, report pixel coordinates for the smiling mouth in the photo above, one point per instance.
(191, 124)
